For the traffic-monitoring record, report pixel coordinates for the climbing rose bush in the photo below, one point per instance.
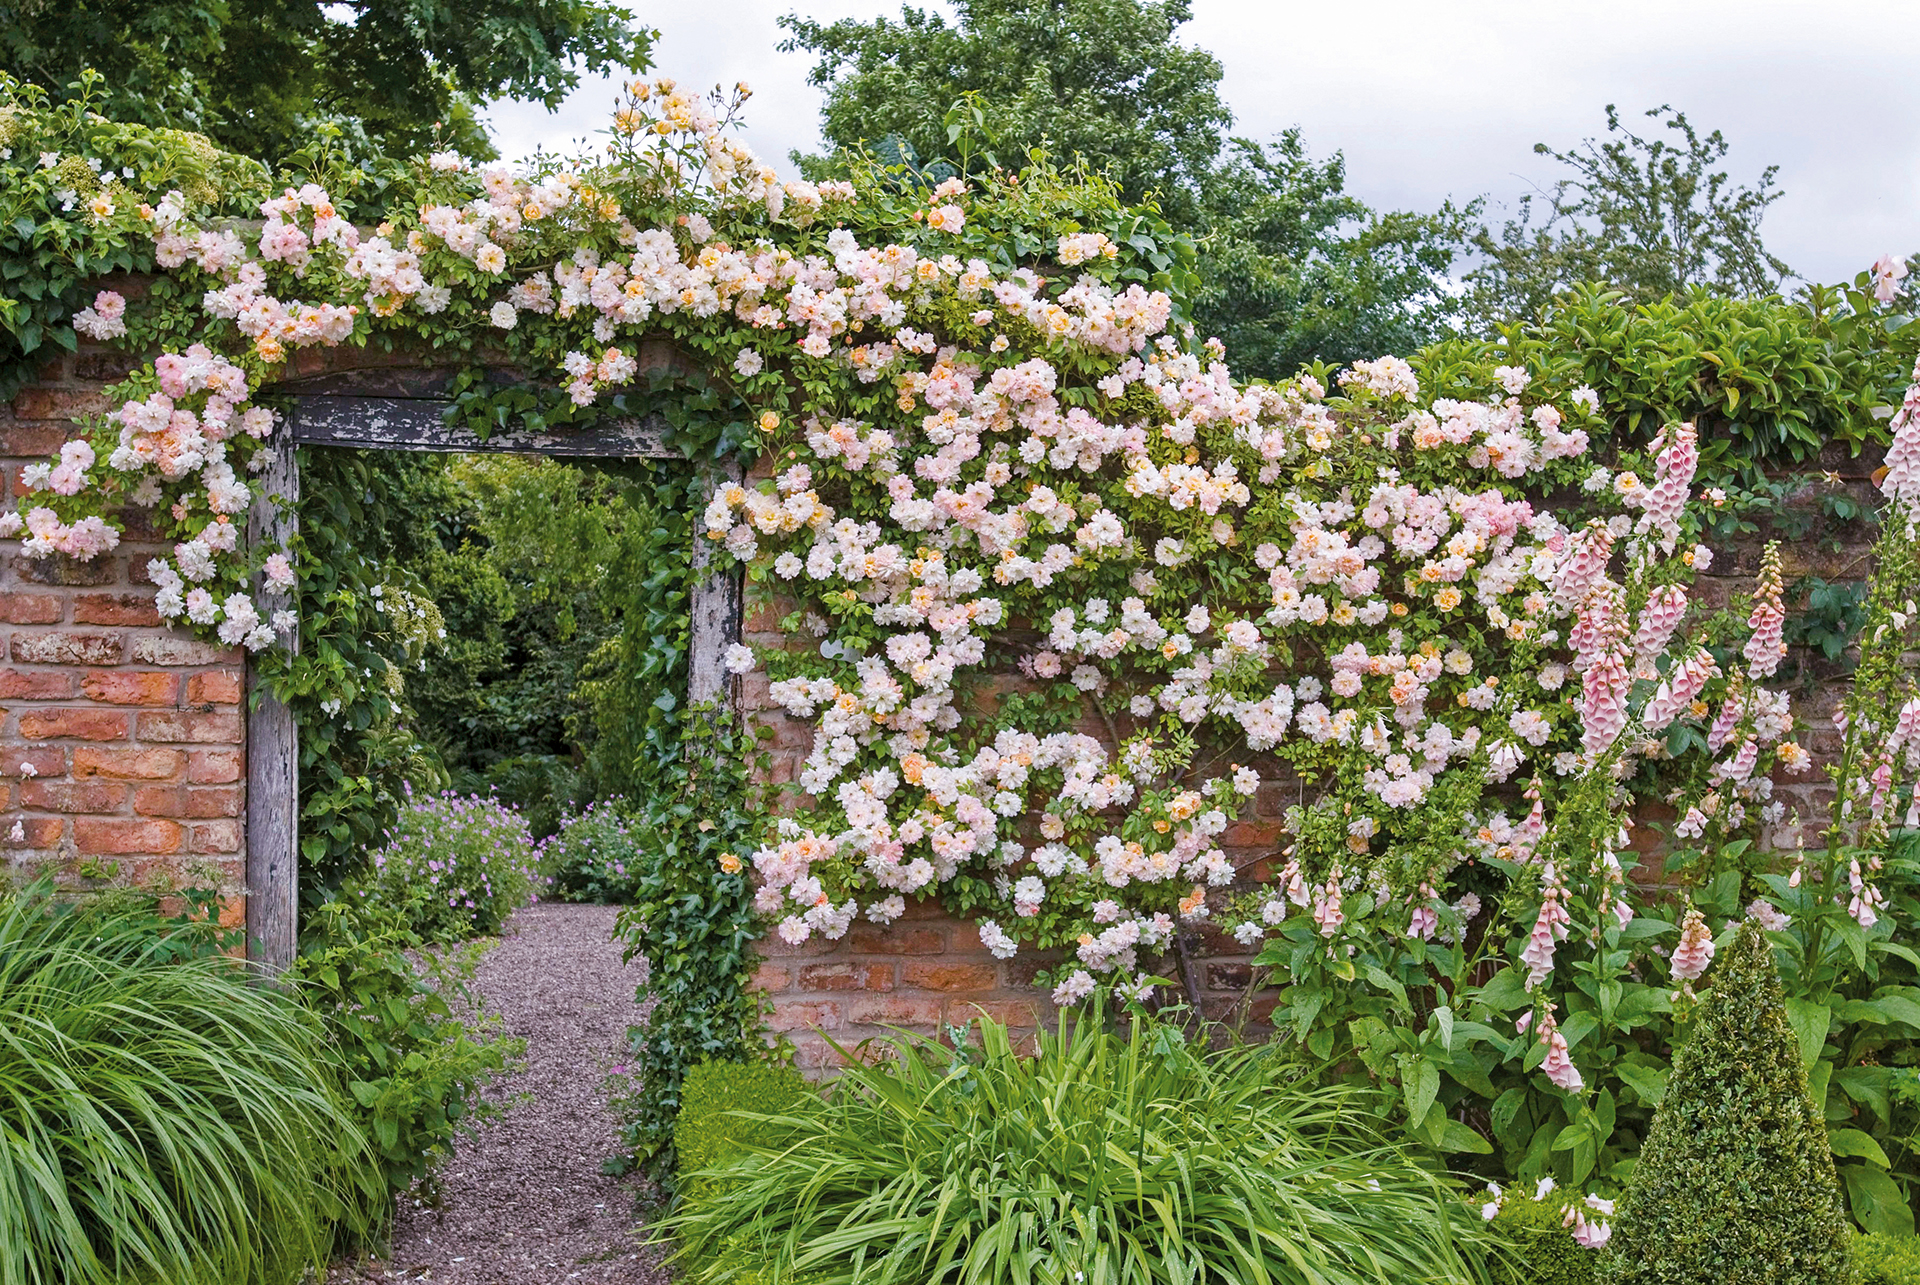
(1066, 603)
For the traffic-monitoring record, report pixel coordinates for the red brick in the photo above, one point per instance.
(169, 649)
(815, 1054)
(58, 403)
(217, 687)
(115, 609)
(74, 796)
(104, 366)
(128, 764)
(46, 760)
(895, 1010)
(189, 726)
(214, 767)
(30, 608)
(132, 687)
(930, 975)
(67, 649)
(80, 724)
(773, 948)
(40, 832)
(1008, 1012)
(99, 836)
(33, 439)
(1253, 834)
(36, 684)
(215, 836)
(179, 801)
(59, 569)
(871, 939)
(825, 1014)
(772, 977)
(846, 977)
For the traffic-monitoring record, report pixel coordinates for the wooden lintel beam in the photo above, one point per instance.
(419, 424)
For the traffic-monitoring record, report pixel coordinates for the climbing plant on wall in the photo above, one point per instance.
(1012, 497)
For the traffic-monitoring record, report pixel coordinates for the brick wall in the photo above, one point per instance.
(122, 753)
(929, 970)
(134, 734)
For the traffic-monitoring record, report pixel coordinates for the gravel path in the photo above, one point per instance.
(525, 1201)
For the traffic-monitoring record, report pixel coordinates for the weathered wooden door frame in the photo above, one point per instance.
(333, 413)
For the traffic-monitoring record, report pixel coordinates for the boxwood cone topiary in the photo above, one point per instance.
(1735, 1183)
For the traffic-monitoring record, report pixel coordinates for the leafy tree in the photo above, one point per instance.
(1104, 79)
(259, 76)
(1296, 267)
(1649, 216)
(1735, 1183)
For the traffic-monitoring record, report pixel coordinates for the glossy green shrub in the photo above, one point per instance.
(1735, 1184)
(717, 1101)
(1887, 1260)
(1767, 380)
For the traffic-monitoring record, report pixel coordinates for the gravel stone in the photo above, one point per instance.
(524, 1201)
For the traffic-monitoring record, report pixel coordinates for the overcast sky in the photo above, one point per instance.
(1438, 98)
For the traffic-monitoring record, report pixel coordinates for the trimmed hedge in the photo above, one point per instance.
(1735, 1185)
(1541, 1251)
(1887, 1260)
(709, 1134)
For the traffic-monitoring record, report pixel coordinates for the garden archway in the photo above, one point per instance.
(402, 409)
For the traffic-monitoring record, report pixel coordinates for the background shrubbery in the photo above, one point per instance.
(453, 866)
(595, 855)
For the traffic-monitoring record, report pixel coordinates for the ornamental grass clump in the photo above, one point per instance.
(456, 865)
(1103, 1158)
(162, 1119)
(1735, 1184)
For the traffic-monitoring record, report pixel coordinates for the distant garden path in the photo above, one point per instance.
(525, 1201)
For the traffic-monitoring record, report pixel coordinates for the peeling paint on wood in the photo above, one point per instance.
(419, 424)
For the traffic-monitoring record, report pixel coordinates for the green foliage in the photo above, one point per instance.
(1539, 1250)
(412, 1068)
(1735, 1183)
(692, 918)
(1766, 380)
(1832, 616)
(161, 1117)
(52, 246)
(1142, 1159)
(1887, 1260)
(1651, 217)
(727, 1108)
(261, 75)
(559, 585)
(1103, 79)
(1297, 269)
(595, 855)
(453, 866)
(358, 748)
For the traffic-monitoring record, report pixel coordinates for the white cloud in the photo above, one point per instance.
(1430, 100)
